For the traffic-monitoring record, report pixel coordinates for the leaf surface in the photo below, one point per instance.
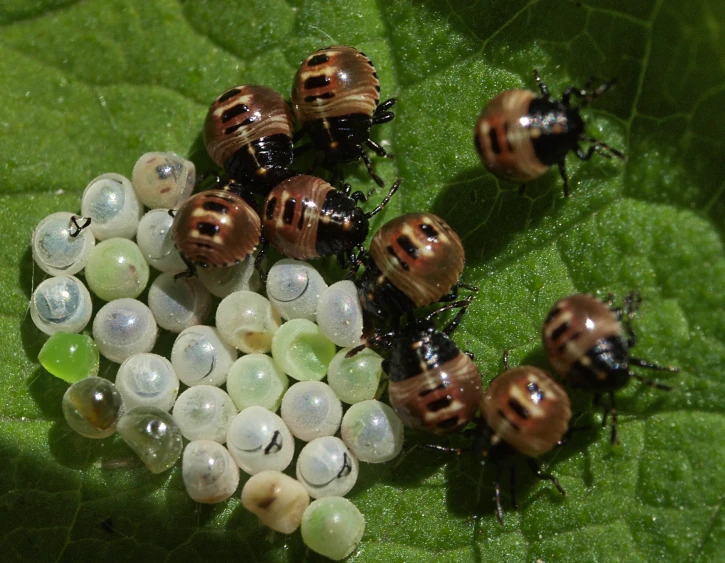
(90, 86)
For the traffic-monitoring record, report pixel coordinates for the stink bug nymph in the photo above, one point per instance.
(305, 217)
(523, 412)
(414, 260)
(216, 228)
(248, 132)
(589, 347)
(336, 97)
(520, 135)
(432, 385)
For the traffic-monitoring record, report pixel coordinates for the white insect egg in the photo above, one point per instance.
(256, 379)
(112, 205)
(247, 321)
(325, 467)
(154, 239)
(259, 439)
(61, 303)
(55, 248)
(204, 412)
(224, 281)
(209, 472)
(163, 179)
(147, 380)
(201, 357)
(340, 314)
(278, 500)
(178, 303)
(355, 379)
(124, 327)
(310, 409)
(294, 288)
(372, 431)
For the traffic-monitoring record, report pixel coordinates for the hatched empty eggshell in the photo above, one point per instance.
(163, 179)
(209, 472)
(58, 248)
(201, 357)
(259, 439)
(247, 321)
(124, 327)
(278, 500)
(332, 526)
(147, 380)
(112, 205)
(204, 412)
(256, 379)
(355, 379)
(179, 303)
(153, 435)
(224, 281)
(310, 409)
(154, 239)
(340, 314)
(294, 288)
(325, 467)
(302, 351)
(61, 303)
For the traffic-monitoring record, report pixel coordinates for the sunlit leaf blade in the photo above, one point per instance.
(87, 87)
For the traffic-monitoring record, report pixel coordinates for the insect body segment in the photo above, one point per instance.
(335, 97)
(248, 132)
(527, 409)
(584, 342)
(523, 410)
(216, 228)
(520, 135)
(433, 386)
(414, 260)
(589, 347)
(305, 217)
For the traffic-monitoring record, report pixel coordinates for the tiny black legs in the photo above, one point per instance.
(536, 470)
(382, 115)
(497, 496)
(609, 411)
(543, 87)
(562, 170)
(379, 208)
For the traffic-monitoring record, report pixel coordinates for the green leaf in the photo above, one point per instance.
(87, 87)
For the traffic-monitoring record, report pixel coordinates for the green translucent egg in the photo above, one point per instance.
(92, 407)
(302, 351)
(117, 269)
(332, 527)
(355, 379)
(153, 435)
(256, 379)
(70, 357)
